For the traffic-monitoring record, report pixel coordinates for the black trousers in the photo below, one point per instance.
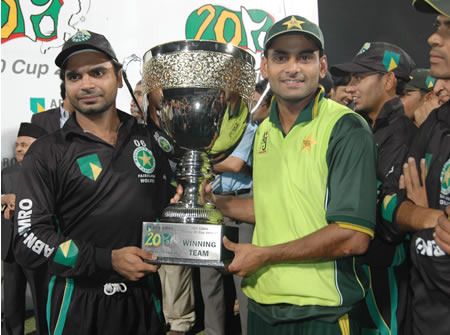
(15, 279)
(85, 307)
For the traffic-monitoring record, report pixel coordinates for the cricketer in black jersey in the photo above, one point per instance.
(79, 199)
(430, 273)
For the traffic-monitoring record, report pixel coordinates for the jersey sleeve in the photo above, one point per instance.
(352, 158)
(244, 150)
(37, 237)
(391, 197)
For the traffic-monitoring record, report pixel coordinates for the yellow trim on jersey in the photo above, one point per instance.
(344, 324)
(352, 226)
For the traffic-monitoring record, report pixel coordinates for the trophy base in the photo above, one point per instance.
(188, 244)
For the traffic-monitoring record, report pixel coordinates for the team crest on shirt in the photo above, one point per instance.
(163, 143)
(144, 159)
(445, 184)
(263, 144)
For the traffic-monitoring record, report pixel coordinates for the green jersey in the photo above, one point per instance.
(322, 171)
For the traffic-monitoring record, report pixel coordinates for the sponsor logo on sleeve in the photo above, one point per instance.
(24, 229)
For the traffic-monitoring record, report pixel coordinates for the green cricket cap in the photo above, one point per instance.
(295, 24)
(433, 6)
(420, 81)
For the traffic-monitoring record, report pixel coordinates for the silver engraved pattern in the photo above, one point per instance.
(199, 69)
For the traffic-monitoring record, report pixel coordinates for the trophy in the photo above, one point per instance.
(196, 77)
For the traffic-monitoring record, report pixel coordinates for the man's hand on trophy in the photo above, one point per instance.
(207, 194)
(177, 195)
(130, 262)
(247, 257)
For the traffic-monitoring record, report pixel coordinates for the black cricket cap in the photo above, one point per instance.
(379, 57)
(420, 81)
(31, 130)
(85, 40)
(433, 6)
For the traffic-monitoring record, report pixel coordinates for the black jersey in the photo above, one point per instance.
(430, 274)
(385, 308)
(81, 197)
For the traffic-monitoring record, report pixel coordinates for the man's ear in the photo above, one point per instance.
(263, 68)
(119, 79)
(323, 64)
(429, 96)
(390, 81)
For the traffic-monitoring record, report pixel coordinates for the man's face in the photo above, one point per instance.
(411, 101)
(293, 67)
(155, 99)
(440, 49)
(91, 83)
(22, 145)
(341, 95)
(133, 108)
(442, 90)
(367, 91)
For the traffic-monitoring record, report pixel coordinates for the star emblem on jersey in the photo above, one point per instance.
(164, 144)
(445, 178)
(90, 166)
(144, 160)
(390, 60)
(293, 22)
(308, 143)
(81, 36)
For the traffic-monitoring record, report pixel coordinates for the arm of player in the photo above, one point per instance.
(442, 231)
(328, 243)
(415, 215)
(231, 164)
(37, 236)
(241, 209)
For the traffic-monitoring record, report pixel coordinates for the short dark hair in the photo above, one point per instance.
(62, 90)
(401, 83)
(341, 80)
(261, 86)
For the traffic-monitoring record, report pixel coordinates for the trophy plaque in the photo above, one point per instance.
(196, 78)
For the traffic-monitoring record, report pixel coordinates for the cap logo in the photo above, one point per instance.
(293, 22)
(430, 81)
(390, 60)
(81, 36)
(364, 48)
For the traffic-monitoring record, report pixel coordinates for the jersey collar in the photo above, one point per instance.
(390, 111)
(72, 127)
(309, 113)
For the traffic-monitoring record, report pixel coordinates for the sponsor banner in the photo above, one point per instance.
(33, 33)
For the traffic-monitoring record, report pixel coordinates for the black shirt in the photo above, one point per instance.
(393, 133)
(80, 198)
(430, 273)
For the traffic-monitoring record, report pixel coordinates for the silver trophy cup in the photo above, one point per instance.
(197, 78)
